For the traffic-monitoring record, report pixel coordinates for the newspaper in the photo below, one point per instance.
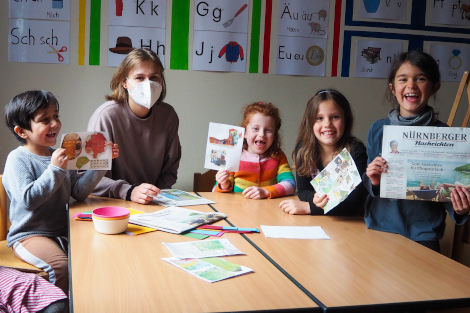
(337, 180)
(424, 163)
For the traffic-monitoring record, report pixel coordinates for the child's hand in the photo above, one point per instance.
(115, 149)
(460, 197)
(144, 193)
(375, 169)
(222, 177)
(295, 206)
(255, 193)
(59, 158)
(320, 201)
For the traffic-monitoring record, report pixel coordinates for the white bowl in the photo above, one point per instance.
(110, 227)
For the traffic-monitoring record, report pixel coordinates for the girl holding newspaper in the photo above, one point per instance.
(414, 77)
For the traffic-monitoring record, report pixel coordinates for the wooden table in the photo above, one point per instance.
(358, 269)
(122, 273)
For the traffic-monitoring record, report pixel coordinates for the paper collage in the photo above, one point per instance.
(425, 163)
(224, 147)
(87, 150)
(337, 180)
(209, 269)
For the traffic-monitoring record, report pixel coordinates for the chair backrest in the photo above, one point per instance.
(3, 211)
(462, 232)
(204, 182)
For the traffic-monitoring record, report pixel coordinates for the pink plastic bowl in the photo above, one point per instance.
(111, 212)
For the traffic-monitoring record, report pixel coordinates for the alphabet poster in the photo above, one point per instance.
(39, 31)
(382, 9)
(450, 12)
(38, 41)
(135, 24)
(373, 58)
(220, 35)
(453, 60)
(302, 37)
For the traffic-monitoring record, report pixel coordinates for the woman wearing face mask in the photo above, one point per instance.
(135, 115)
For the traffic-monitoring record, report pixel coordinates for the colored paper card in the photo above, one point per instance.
(207, 232)
(195, 236)
(179, 35)
(255, 36)
(255, 230)
(95, 32)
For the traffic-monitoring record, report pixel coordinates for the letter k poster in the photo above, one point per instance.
(220, 35)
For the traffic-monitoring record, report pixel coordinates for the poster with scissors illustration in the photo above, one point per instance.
(224, 147)
(87, 150)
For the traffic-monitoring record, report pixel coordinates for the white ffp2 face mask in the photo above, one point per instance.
(145, 93)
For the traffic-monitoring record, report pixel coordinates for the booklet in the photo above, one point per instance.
(337, 180)
(209, 269)
(224, 147)
(425, 163)
(175, 220)
(202, 249)
(87, 150)
(176, 197)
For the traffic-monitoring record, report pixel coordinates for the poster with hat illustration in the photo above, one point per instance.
(135, 25)
(123, 39)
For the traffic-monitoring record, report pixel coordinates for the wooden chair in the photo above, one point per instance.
(462, 232)
(7, 256)
(204, 182)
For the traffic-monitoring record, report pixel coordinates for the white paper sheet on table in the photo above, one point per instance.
(294, 232)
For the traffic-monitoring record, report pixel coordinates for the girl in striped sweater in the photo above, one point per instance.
(264, 170)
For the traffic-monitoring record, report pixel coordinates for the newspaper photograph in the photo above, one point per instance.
(425, 163)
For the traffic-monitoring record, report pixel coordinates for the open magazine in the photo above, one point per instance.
(176, 197)
(175, 220)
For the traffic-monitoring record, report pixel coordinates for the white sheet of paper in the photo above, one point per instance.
(294, 232)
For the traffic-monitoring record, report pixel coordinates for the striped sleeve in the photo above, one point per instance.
(285, 185)
(230, 189)
(24, 292)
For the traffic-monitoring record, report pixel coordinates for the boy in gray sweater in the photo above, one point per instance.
(39, 186)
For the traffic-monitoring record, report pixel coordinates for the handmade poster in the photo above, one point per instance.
(220, 35)
(209, 269)
(87, 150)
(337, 180)
(302, 37)
(38, 41)
(424, 163)
(135, 24)
(373, 57)
(224, 147)
(453, 60)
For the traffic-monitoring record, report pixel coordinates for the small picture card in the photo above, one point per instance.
(224, 147)
(87, 150)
